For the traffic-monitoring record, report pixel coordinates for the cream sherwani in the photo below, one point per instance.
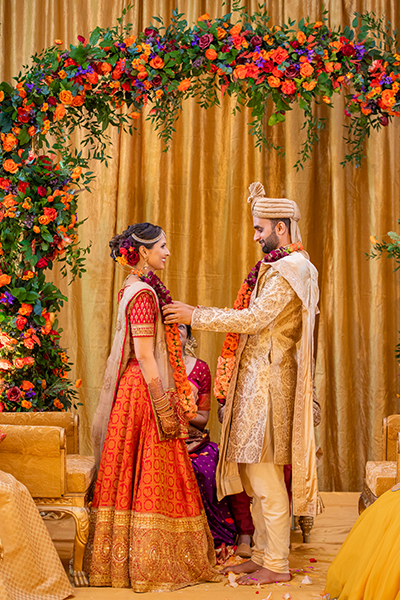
(268, 415)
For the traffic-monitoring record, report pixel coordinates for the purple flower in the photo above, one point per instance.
(198, 62)
(206, 40)
(7, 298)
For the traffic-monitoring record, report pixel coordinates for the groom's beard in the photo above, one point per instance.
(271, 243)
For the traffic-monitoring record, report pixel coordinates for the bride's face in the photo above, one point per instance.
(157, 255)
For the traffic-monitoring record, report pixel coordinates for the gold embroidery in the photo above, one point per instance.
(148, 552)
(142, 329)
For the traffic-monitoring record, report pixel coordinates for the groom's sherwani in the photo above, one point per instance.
(272, 380)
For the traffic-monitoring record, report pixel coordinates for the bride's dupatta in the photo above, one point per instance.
(117, 362)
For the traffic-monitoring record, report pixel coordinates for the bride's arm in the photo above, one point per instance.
(147, 363)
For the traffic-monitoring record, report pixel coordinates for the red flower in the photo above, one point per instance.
(23, 115)
(14, 394)
(22, 186)
(42, 263)
(20, 323)
(348, 50)
(50, 212)
(206, 40)
(41, 191)
(52, 101)
(4, 183)
(150, 32)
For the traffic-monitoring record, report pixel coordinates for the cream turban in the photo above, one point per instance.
(274, 208)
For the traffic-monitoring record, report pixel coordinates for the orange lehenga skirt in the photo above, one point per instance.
(148, 528)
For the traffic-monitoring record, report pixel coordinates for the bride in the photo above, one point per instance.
(148, 527)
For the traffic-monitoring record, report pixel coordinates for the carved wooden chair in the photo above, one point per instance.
(42, 451)
(381, 475)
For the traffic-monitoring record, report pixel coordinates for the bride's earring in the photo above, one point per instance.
(145, 266)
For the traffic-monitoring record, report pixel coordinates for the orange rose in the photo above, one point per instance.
(58, 42)
(10, 142)
(211, 54)
(204, 17)
(279, 55)
(329, 67)
(134, 115)
(25, 309)
(288, 87)
(221, 33)
(79, 100)
(9, 201)
(32, 131)
(309, 85)
(1, 95)
(388, 99)
(129, 41)
(301, 37)
(65, 97)
(26, 404)
(27, 385)
(19, 363)
(318, 24)
(273, 81)
(78, 383)
(157, 62)
(236, 29)
(36, 229)
(59, 112)
(4, 279)
(184, 85)
(44, 220)
(105, 68)
(76, 172)
(326, 99)
(29, 343)
(240, 72)
(29, 361)
(306, 69)
(10, 166)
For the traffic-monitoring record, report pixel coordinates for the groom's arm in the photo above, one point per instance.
(276, 293)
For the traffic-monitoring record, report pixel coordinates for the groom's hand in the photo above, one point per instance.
(178, 312)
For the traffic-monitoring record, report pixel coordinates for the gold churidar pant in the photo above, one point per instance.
(197, 191)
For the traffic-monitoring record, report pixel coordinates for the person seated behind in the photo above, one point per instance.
(231, 517)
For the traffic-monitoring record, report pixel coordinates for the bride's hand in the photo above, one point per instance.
(169, 425)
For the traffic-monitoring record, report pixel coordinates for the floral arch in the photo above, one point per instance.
(108, 80)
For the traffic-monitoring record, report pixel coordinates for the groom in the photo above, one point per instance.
(268, 419)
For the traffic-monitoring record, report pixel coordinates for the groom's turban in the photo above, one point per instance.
(274, 208)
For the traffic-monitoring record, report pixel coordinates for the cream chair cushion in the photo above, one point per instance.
(380, 476)
(80, 473)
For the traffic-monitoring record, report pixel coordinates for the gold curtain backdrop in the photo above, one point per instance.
(197, 192)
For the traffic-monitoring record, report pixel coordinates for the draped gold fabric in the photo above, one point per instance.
(197, 192)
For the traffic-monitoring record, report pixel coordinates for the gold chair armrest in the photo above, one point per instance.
(36, 456)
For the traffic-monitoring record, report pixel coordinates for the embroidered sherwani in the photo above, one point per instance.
(272, 379)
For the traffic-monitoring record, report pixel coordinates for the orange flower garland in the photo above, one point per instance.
(227, 359)
(173, 340)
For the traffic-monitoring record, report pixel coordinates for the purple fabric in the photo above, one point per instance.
(220, 521)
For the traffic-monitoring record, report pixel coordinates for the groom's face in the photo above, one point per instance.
(265, 234)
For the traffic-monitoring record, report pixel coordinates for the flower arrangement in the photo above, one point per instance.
(227, 359)
(183, 386)
(109, 79)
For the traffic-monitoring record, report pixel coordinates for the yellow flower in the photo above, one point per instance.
(62, 74)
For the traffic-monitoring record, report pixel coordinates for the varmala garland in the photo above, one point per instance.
(227, 359)
(130, 256)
